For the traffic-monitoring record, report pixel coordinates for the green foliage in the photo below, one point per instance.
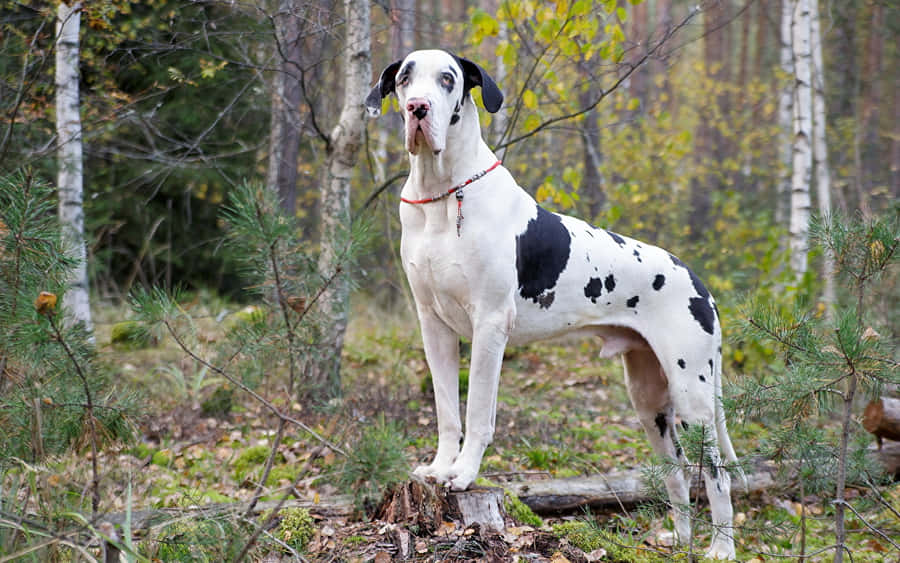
(376, 460)
(829, 357)
(206, 540)
(130, 335)
(219, 404)
(296, 528)
(588, 536)
(52, 371)
(519, 511)
(251, 460)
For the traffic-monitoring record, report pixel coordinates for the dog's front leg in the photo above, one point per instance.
(442, 355)
(488, 342)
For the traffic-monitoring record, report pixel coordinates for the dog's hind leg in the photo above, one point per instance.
(442, 355)
(649, 392)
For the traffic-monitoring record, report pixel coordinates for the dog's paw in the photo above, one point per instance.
(462, 480)
(721, 550)
(433, 473)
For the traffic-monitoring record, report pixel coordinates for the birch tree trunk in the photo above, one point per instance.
(345, 142)
(801, 175)
(69, 157)
(785, 115)
(820, 146)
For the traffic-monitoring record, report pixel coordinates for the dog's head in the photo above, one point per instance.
(432, 88)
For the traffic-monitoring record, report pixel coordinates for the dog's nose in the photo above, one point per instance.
(418, 107)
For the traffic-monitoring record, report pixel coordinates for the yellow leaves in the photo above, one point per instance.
(633, 104)
(208, 69)
(483, 25)
(529, 99)
(45, 304)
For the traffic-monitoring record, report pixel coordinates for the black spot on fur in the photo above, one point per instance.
(593, 288)
(703, 378)
(681, 363)
(609, 283)
(637, 255)
(659, 281)
(633, 301)
(542, 253)
(685, 425)
(702, 313)
(660, 421)
(710, 363)
(700, 307)
(678, 450)
(619, 240)
(589, 232)
(546, 299)
(454, 118)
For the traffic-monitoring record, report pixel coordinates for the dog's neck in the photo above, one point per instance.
(464, 155)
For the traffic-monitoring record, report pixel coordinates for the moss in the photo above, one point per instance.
(296, 528)
(131, 335)
(162, 458)
(589, 537)
(285, 472)
(141, 451)
(251, 459)
(520, 511)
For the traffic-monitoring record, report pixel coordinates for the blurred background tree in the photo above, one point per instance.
(649, 118)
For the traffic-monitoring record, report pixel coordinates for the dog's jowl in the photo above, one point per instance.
(484, 261)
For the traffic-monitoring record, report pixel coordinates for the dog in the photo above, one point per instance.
(484, 261)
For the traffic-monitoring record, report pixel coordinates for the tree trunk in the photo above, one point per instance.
(284, 138)
(69, 155)
(820, 147)
(345, 142)
(801, 162)
(785, 115)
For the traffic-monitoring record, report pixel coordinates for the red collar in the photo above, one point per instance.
(457, 189)
(452, 190)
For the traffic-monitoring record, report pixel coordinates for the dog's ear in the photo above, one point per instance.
(385, 86)
(474, 75)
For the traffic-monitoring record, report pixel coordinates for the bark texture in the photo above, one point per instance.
(344, 145)
(69, 155)
(820, 144)
(801, 163)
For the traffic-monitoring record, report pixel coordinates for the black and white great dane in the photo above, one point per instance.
(484, 261)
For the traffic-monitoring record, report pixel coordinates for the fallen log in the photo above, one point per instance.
(882, 418)
(616, 490)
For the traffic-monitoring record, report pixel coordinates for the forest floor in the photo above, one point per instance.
(561, 413)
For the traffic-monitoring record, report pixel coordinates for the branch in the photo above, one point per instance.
(604, 93)
(239, 384)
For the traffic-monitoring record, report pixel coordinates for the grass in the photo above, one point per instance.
(561, 411)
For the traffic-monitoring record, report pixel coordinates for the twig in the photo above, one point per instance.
(95, 470)
(864, 521)
(238, 383)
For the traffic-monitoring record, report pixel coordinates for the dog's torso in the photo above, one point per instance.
(551, 274)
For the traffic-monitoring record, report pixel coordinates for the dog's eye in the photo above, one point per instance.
(403, 80)
(447, 80)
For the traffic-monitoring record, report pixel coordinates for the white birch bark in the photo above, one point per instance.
(76, 302)
(801, 175)
(346, 141)
(785, 115)
(820, 146)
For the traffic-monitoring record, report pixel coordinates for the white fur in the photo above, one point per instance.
(467, 285)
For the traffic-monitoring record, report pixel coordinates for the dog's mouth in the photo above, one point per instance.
(419, 133)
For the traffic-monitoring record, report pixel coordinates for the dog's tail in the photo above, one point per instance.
(721, 429)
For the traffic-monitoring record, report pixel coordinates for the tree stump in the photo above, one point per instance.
(426, 505)
(482, 505)
(882, 418)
